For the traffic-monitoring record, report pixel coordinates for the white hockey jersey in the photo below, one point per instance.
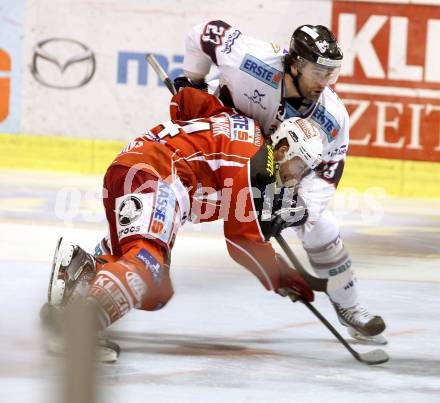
(251, 74)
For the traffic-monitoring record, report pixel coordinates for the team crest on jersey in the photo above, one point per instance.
(227, 47)
(326, 122)
(153, 215)
(261, 71)
(132, 214)
(256, 98)
(129, 211)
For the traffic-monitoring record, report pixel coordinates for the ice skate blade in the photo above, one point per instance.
(106, 351)
(55, 292)
(378, 340)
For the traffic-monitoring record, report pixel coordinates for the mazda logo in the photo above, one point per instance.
(63, 63)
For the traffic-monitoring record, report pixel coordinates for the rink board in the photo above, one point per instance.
(392, 94)
(92, 156)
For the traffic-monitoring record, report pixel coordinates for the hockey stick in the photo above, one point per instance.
(149, 57)
(373, 357)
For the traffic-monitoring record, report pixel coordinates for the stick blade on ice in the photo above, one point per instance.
(374, 357)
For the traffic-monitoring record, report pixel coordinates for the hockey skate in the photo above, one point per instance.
(361, 325)
(72, 271)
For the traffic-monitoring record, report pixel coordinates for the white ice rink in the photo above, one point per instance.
(223, 338)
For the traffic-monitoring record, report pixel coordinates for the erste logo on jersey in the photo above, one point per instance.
(160, 209)
(319, 114)
(261, 71)
(163, 218)
(242, 129)
(327, 122)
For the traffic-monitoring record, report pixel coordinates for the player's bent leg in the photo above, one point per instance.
(131, 269)
(73, 269)
(139, 279)
(330, 259)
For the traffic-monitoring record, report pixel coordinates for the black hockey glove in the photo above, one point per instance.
(182, 82)
(288, 212)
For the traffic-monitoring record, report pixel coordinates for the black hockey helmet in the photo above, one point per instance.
(317, 44)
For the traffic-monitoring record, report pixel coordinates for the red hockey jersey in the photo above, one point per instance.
(225, 166)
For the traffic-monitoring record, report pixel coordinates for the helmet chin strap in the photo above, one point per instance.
(296, 83)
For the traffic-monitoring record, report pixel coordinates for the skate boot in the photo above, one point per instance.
(73, 269)
(360, 324)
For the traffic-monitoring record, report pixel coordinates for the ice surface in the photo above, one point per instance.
(223, 338)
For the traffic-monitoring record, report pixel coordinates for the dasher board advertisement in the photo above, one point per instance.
(390, 78)
(11, 63)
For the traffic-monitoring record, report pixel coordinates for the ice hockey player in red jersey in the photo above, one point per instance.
(207, 163)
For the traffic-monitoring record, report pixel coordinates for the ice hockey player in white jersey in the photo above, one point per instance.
(270, 84)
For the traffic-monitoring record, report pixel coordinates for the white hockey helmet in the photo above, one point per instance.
(304, 141)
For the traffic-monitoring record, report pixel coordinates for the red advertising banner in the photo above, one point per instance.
(5, 68)
(390, 79)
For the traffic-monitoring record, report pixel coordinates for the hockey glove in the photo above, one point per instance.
(288, 213)
(182, 82)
